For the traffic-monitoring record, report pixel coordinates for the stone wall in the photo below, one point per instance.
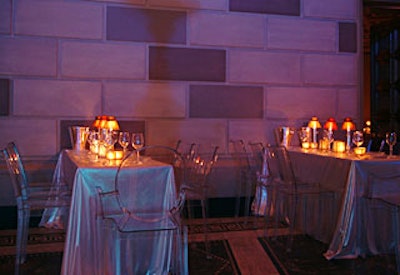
(201, 70)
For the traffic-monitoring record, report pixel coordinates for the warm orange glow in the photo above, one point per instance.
(314, 123)
(339, 146)
(111, 123)
(106, 122)
(348, 124)
(96, 122)
(331, 124)
(111, 155)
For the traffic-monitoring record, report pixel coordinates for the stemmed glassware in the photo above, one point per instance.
(124, 139)
(391, 139)
(358, 138)
(94, 141)
(137, 143)
(327, 135)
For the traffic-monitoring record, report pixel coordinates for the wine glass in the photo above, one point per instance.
(94, 140)
(358, 138)
(327, 136)
(391, 139)
(137, 143)
(124, 139)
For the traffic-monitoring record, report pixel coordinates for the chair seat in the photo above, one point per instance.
(130, 222)
(393, 200)
(30, 196)
(195, 192)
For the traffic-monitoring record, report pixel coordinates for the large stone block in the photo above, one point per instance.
(24, 56)
(5, 16)
(221, 29)
(300, 103)
(208, 132)
(59, 18)
(5, 95)
(217, 101)
(347, 37)
(301, 34)
(107, 61)
(145, 99)
(348, 103)
(57, 98)
(34, 137)
(340, 9)
(283, 7)
(146, 25)
(249, 130)
(191, 4)
(187, 64)
(130, 2)
(264, 67)
(330, 69)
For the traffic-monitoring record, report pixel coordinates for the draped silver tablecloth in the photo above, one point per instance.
(84, 239)
(356, 228)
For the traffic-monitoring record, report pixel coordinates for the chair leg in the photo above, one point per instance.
(22, 237)
(204, 210)
(247, 199)
(292, 221)
(395, 233)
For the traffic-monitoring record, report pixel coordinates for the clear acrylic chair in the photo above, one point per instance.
(261, 174)
(145, 222)
(200, 165)
(245, 176)
(288, 192)
(30, 196)
(382, 191)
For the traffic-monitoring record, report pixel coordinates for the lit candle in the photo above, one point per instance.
(102, 151)
(111, 155)
(314, 145)
(324, 144)
(359, 150)
(305, 145)
(339, 146)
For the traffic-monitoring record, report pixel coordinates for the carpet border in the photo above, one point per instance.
(231, 256)
(274, 258)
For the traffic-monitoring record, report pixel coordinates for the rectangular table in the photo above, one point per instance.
(356, 229)
(84, 239)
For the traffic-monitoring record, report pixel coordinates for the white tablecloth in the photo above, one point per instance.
(356, 230)
(155, 188)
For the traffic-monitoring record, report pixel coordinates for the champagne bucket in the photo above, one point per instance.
(78, 136)
(283, 135)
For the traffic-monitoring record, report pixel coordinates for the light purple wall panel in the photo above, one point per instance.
(300, 103)
(301, 34)
(59, 18)
(146, 25)
(145, 99)
(340, 9)
(232, 30)
(330, 69)
(34, 137)
(5, 16)
(57, 98)
(264, 67)
(103, 60)
(24, 56)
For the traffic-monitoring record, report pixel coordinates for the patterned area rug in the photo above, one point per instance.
(306, 257)
(45, 254)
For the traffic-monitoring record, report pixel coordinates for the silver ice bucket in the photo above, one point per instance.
(78, 136)
(283, 135)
